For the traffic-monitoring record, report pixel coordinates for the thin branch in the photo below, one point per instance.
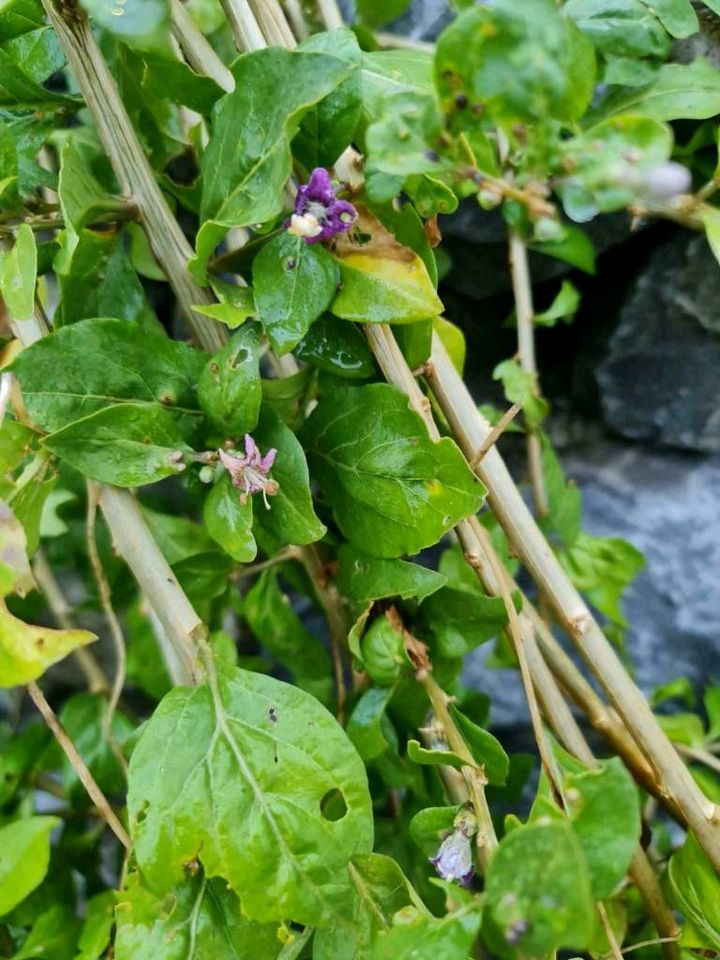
(497, 431)
(470, 430)
(130, 164)
(702, 756)
(60, 609)
(525, 312)
(243, 25)
(197, 51)
(78, 765)
(289, 553)
(474, 775)
(391, 41)
(330, 15)
(296, 19)
(609, 932)
(101, 581)
(271, 19)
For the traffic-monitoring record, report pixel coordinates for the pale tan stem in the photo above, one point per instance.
(103, 587)
(243, 25)
(330, 14)
(271, 20)
(138, 548)
(196, 50)
(130, 164)
(78, 765)
(497, 431)
(700, 755)
(62, 614)
(392, 41)
(470, 430)
(336, 615)
(525, 314)
(157, 581)
(473, 774)
(296, 19)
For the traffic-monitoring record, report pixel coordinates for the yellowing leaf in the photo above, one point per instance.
(27, 651)
(13, 553)
(385, 290)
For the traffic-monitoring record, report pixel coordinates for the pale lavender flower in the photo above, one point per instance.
(454, 858)
(250, 473)
(319, 214)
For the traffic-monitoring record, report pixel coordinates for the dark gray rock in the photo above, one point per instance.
(667, 505)
(423, 21)
(660, 380)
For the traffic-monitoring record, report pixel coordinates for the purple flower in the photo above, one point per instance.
(454, 858)
(318, 214)
(250, 472)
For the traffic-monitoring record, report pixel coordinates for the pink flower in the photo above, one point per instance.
(319, 214)
(250, 472)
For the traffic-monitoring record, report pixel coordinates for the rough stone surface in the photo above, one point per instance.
(660, 380)
(666, 503)
(423, 21)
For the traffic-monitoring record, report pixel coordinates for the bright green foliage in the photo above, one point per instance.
(229, 390)
(99, 363)
(24, 858)
(319, 818)
(234, 773)
(373, 458)
(229, 521)
(294, 283)
(200, 920)
(545, 905)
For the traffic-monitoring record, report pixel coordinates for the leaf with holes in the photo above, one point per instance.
(229, 389)
(234, 773)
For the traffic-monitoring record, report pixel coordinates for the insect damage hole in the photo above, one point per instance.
(333, 806)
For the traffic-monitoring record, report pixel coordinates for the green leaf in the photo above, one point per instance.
(19, 274)
(128, 444)
(329, 127)
(484, 747)
(626, 28)
(430, 826)
(229, 521)
(602, 568)
(544, 905)
(180, 83)
(363, 578)
(247, 160)
(695, 891)
(235, 775)
(97, 279)
(460, 616)
(229, 389)
(365, 726)
(25, 63)
(564, 306)
(200, 920)
(377, 15)
(338, 348)
(97, 927)
(375, 289)
(144, 24)
(424, 937)
(380, 889)
(393, 490)
(711, 222)
(291, 518)
(680, 91)
(13, 553)
(403, 141)
(604, 807)
(564, 499)
(389, 71)
(294, 283)
(677, 16)
(20, 16)
(383, 652)
(280, 631)
(53, 935)
(28, 501)
(82, 198)
(575, 248)
(434, 758)
(99, 364)
(83, 717)
(24, 857)
(237, 304)
(27, 651)
(520, 386)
